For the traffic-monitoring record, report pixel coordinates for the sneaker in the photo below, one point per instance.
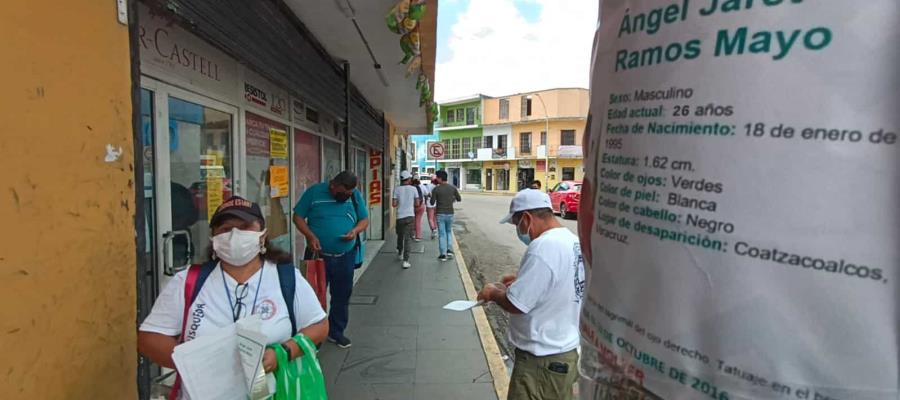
(442, 258)
(342, 342)
(433, 235)
(406, 265)
(417, 239)
(450, 255)
(400, 255)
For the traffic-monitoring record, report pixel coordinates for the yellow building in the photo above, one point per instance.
(127, 123)
(534, 136)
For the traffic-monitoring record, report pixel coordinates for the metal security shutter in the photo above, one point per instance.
(267, 37)
(366, 123)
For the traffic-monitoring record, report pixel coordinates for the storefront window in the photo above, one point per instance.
(200, 168)
(473, 177)
(332, 154)
(268, 176)
(307, 172)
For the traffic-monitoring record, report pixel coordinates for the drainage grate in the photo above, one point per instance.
(363, 300)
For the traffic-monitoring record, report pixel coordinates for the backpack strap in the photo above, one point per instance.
(287, 279)
(205, 269)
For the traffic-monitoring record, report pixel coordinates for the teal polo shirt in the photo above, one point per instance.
(329, 219)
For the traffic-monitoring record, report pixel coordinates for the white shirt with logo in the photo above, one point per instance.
(427, 187)
(548, 290)
(406, 196)
(213, 309)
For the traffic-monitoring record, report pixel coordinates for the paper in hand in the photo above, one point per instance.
(462, 305)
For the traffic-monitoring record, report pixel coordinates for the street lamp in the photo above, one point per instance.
(547, 145)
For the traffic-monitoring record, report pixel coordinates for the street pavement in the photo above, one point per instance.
(491, 249)
(405, 346)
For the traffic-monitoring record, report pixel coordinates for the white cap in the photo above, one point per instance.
(528, 199)
(404, 175)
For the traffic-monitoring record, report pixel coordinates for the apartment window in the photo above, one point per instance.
(488, 142)
(526, 106)
(470, 116)
(504, 108)
(501, 142)
(412, 150)
(466, 147)
(568, 174)
(525, 142)
(567, 137)
(460, 115)
(451, 116)
(446, 148)
(543, 138)
(454, 149)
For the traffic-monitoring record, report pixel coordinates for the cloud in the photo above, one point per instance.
(495, 50)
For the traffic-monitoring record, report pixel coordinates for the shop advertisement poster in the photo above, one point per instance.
(375, 181)
(279, 181)
(278, 143)
(744, 228)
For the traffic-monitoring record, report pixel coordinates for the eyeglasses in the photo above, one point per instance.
(240, 293)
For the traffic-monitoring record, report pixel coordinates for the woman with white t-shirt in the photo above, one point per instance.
(242, 279)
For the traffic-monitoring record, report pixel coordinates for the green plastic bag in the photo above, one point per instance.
(299, 379)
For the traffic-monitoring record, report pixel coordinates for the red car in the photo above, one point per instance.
(564, 197)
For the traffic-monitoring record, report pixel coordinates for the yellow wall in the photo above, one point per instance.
(553, 137)
(561, 103)
(67, 265)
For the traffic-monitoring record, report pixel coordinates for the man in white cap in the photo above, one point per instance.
(406, 199)
(543, 301)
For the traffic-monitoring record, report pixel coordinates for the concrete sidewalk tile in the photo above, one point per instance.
(380, 316)
(385, 337)
(451, 366)
(377, 365)
(448, 338)
(440, 297)
(331, 358)
(386, 391)
(455, 391)
(437, 316)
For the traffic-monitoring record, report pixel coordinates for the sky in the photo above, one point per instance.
(501, 47)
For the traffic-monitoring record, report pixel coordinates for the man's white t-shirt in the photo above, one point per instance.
(213, 309)
(406, 196)
(427, 187)
(548, 290)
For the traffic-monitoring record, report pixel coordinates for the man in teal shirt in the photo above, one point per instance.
(331, 215)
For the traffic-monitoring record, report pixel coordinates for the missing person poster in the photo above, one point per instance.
(744, 224)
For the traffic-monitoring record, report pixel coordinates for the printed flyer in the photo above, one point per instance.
(744, 228)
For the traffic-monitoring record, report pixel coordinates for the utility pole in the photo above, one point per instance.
(547, 145)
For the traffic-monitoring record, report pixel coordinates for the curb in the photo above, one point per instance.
(491, 350)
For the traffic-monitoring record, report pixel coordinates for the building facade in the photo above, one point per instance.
(504, 143)
(161, 111)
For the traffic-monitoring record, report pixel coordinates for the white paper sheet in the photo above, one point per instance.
(210, 367)
(462, 305)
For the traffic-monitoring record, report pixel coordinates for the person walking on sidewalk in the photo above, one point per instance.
(331, 225)
(443, 197)
(420, 208)
(427, 188)
(543, 301)
(405, 199)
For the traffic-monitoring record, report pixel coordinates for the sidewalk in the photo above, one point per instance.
(405, 346)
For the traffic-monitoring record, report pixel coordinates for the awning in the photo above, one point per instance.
(345, 27)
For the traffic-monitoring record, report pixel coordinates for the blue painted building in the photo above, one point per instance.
(420, 163)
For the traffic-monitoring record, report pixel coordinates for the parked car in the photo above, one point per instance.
(564, 197)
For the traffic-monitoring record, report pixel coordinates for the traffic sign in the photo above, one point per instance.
(436, 150)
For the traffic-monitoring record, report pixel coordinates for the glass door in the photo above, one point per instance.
(193, 145)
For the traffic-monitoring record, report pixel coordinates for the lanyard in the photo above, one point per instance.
(234, 316)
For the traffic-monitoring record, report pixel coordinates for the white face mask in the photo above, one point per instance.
(237, 247)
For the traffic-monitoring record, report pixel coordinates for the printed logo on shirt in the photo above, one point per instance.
(266, 310)
(579, 273)
(194, 320)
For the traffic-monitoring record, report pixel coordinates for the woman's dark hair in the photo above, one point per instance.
(273, 254)
(415, 182)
